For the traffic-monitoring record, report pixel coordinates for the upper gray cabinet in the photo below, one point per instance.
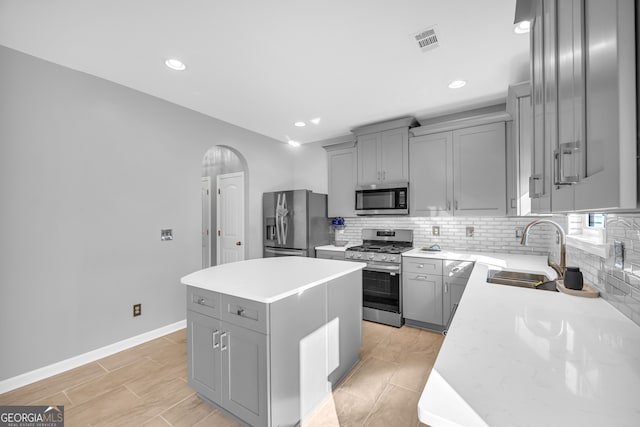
(584, 105)
(383, 152)
(459, 168)
(342, 161)
(519, 149)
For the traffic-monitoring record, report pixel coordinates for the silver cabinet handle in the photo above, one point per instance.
(446, 287)
(378, 175)
(224, 346)
(384, 175)
(240, 312)
(420, 265)
(448, 205)
(215, 334)
(565, 149)
(421, 277)
(456, 269)
(200, 301)
(456, 204)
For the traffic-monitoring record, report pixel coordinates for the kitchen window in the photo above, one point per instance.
(587, 232)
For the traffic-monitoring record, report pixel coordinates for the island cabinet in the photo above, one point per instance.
(327, 254)
(271, 362)
(459, 172)
(432, 289)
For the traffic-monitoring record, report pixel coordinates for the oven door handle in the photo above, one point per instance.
(383, 268)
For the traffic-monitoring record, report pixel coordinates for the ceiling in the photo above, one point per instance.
(264, 65)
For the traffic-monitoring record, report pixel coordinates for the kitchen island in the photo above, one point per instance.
(269, 338)
(526, 357)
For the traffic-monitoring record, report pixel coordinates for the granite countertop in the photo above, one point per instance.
(525, 357)
(268, 280)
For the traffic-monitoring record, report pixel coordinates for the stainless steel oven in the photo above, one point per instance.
(382, 277)
(382, 199)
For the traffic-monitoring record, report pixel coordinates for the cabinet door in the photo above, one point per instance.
(608, 176)
(394, 155)
(452, 293)
(540, 181)
(204, 362)
(368, 167)
(479, 158)
(343, 177)
(422, 298)
(431, 175)
(244, 374)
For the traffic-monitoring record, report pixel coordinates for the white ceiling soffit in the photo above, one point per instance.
(264, 65)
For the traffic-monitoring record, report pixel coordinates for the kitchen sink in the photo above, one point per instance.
(520, 279)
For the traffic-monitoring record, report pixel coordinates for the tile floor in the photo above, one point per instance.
(147, 385)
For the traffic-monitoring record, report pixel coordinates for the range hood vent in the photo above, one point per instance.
(427, 39)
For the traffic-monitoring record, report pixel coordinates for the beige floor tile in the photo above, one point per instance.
(218, 419)
(178, 337)
(396, 407)
(325, 415)
(126, 357)
(188, 412)
(352, 410)
(370, 379)
(157, 422)
(50, 386)
(112, 380)
(104, 410)
(58, 399)
(414, 370)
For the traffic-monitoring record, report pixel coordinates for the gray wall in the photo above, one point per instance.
(90, 172)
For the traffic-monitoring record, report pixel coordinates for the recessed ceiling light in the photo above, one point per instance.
(175, 64)
(315, 121)
(457, 84)
(300, 124)
(522, 27)
(293, 143)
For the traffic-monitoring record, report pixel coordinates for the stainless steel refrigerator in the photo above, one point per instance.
(294, 223)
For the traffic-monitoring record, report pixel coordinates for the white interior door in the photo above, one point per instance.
(230, 217)
(206, 221)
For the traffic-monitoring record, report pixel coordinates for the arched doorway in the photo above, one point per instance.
(223, 214)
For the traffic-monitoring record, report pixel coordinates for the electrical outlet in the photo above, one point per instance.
(519, 231)
(469, 231)
(166, 234)
(436, 230)
(137, 310)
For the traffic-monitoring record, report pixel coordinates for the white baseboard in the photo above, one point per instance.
(91, 356)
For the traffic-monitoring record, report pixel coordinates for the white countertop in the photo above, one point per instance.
(524, 357)
(335, 248)
(268, 280)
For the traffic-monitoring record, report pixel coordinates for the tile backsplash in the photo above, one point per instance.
(490, 234)
(619, 286)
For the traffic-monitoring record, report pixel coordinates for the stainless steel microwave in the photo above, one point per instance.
(382, 199)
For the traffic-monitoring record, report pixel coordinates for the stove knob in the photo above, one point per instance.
(359, 256)
(384, 258)
(371, 256)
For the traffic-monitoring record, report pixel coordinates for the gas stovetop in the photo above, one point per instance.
(381, 246)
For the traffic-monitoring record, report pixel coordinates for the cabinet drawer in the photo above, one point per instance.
(454, 268)
(422, 265)
(203, 301)
(339, 255)
(246, 313)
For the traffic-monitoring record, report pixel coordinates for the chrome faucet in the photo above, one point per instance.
(563, 240)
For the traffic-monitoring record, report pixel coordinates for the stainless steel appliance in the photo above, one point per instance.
(382, 277)
(382, 199)
(295, 222)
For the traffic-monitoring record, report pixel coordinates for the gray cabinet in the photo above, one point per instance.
(272, 364)
(519, 149)
(342, 161)
(383, 156)
(459, 172)
(431, 288)
(584, 86)
(326, 254)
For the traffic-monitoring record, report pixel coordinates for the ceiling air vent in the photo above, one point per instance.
(427, 39)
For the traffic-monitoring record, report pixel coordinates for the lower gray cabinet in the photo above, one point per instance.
(431, 288)
(422, 298)
(227, 364)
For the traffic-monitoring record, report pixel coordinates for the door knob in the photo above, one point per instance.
(238, 243)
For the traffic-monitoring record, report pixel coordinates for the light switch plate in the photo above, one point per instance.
(436, 230)
(469, 231)
(519, 231)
